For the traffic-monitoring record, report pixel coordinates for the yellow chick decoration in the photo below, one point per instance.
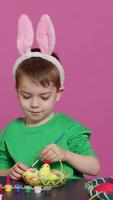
(45, 176)
(46, 173)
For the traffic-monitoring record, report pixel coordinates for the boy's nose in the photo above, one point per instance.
(34, 103)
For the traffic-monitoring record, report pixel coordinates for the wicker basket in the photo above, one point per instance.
(33, 179)
(100, 195)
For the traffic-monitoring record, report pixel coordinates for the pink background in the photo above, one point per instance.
(84, 30)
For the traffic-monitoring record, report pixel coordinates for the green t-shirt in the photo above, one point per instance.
(20, 143)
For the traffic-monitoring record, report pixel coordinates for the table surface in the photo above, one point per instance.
(73, 189)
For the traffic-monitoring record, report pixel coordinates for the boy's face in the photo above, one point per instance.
(37, 102)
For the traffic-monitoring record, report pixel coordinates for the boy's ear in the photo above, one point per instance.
(59, 93)
(61, 88)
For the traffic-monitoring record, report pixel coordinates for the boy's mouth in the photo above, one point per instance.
(35, 113)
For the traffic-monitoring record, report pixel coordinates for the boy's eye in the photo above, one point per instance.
(26, 97)
(45, 98)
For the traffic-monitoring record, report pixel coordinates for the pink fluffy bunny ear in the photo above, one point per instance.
(25, 34)
(45, 35)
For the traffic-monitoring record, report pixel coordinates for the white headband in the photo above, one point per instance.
(45, 36)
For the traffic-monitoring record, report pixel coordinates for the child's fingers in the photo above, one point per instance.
(48, 148)
(21, 166)
(52, 159)
(44, 152)
(32, 169)
(15, 175)
(52, 153)
(17, 171)
(50, 156)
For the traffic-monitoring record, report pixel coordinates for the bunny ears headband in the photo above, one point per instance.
(45, 37)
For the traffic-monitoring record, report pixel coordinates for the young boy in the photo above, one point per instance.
(39, 80)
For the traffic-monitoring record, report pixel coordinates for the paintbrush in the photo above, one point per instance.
(39, 158)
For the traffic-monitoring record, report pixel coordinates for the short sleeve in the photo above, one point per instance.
(5, 159)
(78, 140)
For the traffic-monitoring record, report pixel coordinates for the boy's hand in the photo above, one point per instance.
(17, 171)
(53, 153)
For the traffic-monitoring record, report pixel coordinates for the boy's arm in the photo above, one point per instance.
(86, 164)
(6, 162)
(4, 172)
(81, 155)
(7, 165)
